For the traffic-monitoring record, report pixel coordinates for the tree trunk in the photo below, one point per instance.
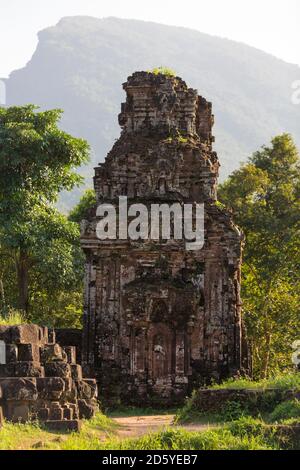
(2, 296)
(23, 281)
(266, 359)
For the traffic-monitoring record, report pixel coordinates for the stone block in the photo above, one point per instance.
(44, 337)
(52, 353)
(58, 369)
(29, 369)
(43, 414)
(74, 408)
(7, 370)
(86, 409)
(11, 353)
(22, 389)
(28, 352)
(5, 333)
(76, 372)
(67, 413)
(50, 388)
(71, 354)
(18, 411)
(24, 334)
(92, 383)
(56, 412)
(84, 390)
(51, 336)
(71, 394)
(64, 425)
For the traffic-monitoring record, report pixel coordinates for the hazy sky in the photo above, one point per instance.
(271, 25)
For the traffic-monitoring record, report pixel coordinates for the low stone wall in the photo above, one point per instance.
(257, 400)
(40, 379)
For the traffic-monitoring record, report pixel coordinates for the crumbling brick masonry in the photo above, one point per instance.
(160, 320)
(41, 380)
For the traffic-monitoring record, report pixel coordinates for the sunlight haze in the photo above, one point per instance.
(270, 25)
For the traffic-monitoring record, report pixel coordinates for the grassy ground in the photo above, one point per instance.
(225, 438)
(33, 436)
(100, 434)
(135, 411)
(237, 430)
(232, 410)
(281, 381)
(276, 426)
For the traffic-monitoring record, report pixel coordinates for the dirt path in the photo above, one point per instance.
(135, 426)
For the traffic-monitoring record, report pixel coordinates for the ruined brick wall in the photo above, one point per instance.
(160, 320)
(41, 380)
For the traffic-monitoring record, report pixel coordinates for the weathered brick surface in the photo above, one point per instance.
(42, 381)
(160, 320)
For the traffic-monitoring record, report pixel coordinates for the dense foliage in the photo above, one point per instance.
(264, 196)
(40, 260)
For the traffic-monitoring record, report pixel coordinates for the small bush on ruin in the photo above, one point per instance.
(163, 71)
(287, 410)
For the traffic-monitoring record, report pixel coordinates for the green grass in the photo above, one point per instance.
(181, 439)
(100, 434)
(35, 436)
(260, 405)
(134, 411)
(243, 434)
(274, 430)
(13, 317)
(282, 382)
(286, 411)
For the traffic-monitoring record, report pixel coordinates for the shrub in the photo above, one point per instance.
(285, 411)
(233, 410)
(163, 71)
(13, 317)
(281, 381)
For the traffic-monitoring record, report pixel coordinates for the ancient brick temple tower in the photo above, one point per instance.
(160, 320)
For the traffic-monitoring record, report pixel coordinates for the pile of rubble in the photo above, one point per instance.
(40, 380)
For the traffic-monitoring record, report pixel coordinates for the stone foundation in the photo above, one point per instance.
(40, 380)
(257, 400)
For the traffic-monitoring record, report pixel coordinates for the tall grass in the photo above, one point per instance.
(281, 381)
(36, 436)
(13, 317)
(287, 410)
(274, 391)
(100, 434)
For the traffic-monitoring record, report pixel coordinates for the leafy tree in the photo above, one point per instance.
(79, 212)
(264, 198)
(37, 161)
